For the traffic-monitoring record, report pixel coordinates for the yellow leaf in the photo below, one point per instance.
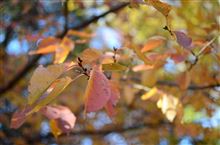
(70, 5)
(168, 105)
(54, 129)
(150, 94)
(63, 50)
(113, 67)
(161, 6)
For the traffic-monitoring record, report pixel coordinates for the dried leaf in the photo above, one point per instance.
(98, 91)
(113, 67)
(153, 43)
(183, 39)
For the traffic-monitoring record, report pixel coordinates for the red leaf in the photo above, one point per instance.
(19, 117)
(97, 92)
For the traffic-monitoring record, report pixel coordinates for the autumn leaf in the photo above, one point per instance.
(64, 118)
(42, 78)
(89, 56)
(55, 45)
(184, 80)
(54, 128)
(61, 84)
(47, 45)
(80, 34)
(63, 50)
(98, 91)
(115, 95)
(113, 67)
(142, 67)
(154, 91)
(161, 6)
(183, 39)
(168, 105)
(19, 117)
(153, 43)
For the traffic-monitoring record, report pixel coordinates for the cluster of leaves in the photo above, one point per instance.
(102, 90)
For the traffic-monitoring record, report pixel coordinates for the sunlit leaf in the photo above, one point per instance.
(154, 91)
(168, 105)
(113, 67)
(98, 91)
(63, 50)
(153, 43)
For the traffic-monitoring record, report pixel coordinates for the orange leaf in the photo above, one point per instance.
(142, 67)
(98, 91)
(80, 34)
(161, 6)
(47, 45)
(153, 43)
(184, 80)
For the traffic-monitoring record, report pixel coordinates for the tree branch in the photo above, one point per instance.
(35, 59)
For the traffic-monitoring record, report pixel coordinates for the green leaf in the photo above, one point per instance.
(113, 67)
(42, 78)
(61, 84)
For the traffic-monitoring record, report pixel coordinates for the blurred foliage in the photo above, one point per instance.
(178, 82)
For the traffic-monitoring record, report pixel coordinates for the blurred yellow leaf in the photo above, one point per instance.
(63, 50)
(150, 94)
(54, 129)
(168, 105)
(113, 67)
(89, 56)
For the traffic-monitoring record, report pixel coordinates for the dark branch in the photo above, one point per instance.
(35, 59)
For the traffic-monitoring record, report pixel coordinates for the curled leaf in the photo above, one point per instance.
(65, 119)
